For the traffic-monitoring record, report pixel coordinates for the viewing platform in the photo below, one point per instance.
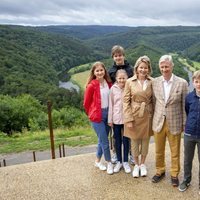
(76, 178)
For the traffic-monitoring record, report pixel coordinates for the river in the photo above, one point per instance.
(190, 78)
(68, 85)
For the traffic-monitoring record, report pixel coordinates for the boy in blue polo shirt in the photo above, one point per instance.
(192, 130)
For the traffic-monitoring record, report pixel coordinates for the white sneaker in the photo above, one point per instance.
(131, 160)
(114, 158)
(127, 168)
(136, 171)
(110, 168)
(99, 165)
(117, 167)
(143, 170)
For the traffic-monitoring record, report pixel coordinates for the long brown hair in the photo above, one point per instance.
(92, 76)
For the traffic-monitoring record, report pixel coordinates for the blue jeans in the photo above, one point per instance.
(102, 131)
(119, 139)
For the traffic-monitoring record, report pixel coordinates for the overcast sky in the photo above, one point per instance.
(100, 12)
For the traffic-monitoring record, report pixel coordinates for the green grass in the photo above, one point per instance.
(32, 141)
(79, 68)
(81, 78)
(196, 65)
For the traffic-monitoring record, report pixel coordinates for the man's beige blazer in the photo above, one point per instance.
(174, 109)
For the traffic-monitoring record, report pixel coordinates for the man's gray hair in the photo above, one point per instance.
(166, 58)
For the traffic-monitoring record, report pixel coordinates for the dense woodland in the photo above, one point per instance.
(34, 59)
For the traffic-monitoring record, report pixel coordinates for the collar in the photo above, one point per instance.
(170, 80)
(195, 93)
(134, 78)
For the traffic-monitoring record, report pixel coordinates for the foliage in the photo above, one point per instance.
(69, 117)
(25, 112)
(63, 97)
(30, 60)
(83, 32)
(33, 59)
(16, 113)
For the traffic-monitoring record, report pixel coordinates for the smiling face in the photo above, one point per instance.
(121, 79)
(99, 72)
(119, 58)
(196, 83)
(166, 69)
(142, 70)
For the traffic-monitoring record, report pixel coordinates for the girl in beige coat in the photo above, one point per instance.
(138, 112)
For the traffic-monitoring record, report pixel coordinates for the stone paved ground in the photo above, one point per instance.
(76, 178)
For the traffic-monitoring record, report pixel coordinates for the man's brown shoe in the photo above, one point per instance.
(158, 177)
(175, 181)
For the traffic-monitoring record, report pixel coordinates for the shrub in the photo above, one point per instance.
(16, 113)
(68, 117)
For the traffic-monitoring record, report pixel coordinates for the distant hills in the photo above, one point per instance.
(31, 58)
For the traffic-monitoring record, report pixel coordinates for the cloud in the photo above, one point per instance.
(113, 12)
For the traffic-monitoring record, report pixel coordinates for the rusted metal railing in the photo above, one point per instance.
(34, 157)
(63, 148)
(60, 152)
(4, 162)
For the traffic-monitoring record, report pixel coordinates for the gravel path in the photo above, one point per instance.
(76, 178)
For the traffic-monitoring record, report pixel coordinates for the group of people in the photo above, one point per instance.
(136, 106)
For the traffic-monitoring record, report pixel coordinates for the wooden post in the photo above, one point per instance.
(49, 105)
(4, 162)
(34, 157)
(63, 147)
(60, 152)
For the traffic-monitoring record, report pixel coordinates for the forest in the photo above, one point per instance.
(34, 59)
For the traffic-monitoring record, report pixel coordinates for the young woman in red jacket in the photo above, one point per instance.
(96, 99)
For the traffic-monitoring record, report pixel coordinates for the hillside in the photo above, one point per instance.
(84, 32)
(33, 59)
(170, 39)
(30, 60)
(82, 72)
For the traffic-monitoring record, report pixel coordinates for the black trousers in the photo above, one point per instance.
(189, 150)
(119, 140)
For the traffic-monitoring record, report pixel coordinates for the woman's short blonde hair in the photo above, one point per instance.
(144, 59)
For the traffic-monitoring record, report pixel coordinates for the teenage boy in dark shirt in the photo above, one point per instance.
(118, 55)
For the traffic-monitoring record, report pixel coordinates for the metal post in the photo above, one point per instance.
(49, 105)
(60, 153)
(0, 163)
(4, 162)
(34, 158)
(63, 147)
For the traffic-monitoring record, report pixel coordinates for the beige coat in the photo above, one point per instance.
(138, 109)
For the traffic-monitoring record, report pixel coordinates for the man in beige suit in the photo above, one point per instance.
(169, 118)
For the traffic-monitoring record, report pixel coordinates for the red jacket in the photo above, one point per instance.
(92, 100)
